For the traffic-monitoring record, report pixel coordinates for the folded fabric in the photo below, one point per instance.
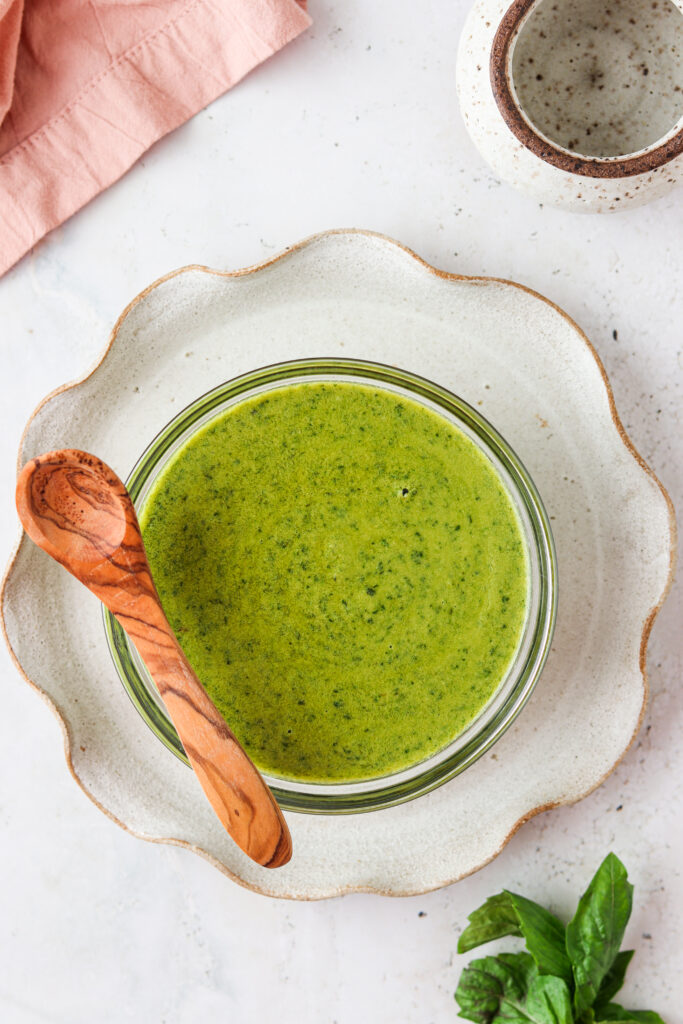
(95, 83)
(10, 30)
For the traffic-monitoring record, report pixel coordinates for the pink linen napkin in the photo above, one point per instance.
(10, 30)
(86, 86)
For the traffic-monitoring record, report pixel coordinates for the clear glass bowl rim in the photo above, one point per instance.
(336, 798)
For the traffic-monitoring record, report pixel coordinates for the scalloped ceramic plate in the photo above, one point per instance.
(533, 373)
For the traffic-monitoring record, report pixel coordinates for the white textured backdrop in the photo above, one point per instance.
(354, 125)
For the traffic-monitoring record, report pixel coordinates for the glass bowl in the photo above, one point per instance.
(523, 673)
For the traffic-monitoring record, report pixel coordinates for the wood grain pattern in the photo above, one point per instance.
(75, 507)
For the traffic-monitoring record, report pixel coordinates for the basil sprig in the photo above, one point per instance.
(569, 975)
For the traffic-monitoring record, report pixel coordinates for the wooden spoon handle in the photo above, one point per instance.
(231, 782)
(76, 508)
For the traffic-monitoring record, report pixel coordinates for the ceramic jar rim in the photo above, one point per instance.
(500, 69)
(534, 647)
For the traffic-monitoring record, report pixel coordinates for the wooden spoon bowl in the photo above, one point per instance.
(76, 509)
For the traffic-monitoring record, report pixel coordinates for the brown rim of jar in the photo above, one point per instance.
(591, 167)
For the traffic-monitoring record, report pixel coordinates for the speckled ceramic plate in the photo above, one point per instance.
(532, 372)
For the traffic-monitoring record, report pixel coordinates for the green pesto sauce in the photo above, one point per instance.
(345, 573)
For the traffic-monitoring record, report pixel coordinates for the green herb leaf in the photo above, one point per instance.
(497, 917)
(536, 987)
(510, 914)
(614, 978)
(509, 990)
(522, 966)
(615, 1012)
(550, 1001)
(492, 988)
(596, 930)
(544, 935)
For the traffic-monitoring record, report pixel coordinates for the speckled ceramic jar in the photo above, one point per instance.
(576, 102)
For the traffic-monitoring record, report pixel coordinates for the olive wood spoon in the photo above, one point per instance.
(76, 509)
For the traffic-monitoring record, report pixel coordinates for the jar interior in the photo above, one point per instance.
(601, 80)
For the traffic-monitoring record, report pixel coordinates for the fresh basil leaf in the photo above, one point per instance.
(614, 978)
(595, 932)
(522, 967)
(497, 917)
(511, 914)
(550, 1000)
(628, 1019)
(615, 1012)
(508, 989)
(545, 939)
(493, 987)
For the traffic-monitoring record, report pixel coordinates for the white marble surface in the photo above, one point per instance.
(355, 125)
